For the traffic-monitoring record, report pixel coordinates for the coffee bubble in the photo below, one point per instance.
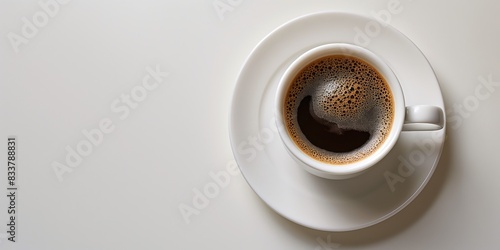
(346, 109)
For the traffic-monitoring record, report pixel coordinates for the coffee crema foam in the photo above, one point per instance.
(348, 92)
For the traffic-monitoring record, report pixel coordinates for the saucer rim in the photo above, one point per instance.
(234, 107)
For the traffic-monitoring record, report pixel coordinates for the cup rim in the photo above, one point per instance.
(340, 170)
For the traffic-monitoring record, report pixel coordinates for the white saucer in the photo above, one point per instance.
(311, 201)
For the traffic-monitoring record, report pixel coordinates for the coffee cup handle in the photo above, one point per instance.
(423, 118)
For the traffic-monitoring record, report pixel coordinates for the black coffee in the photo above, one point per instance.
(339, 109)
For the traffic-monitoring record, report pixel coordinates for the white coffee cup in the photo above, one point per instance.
(420, 117)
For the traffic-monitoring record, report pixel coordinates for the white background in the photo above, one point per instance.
(126, 194)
